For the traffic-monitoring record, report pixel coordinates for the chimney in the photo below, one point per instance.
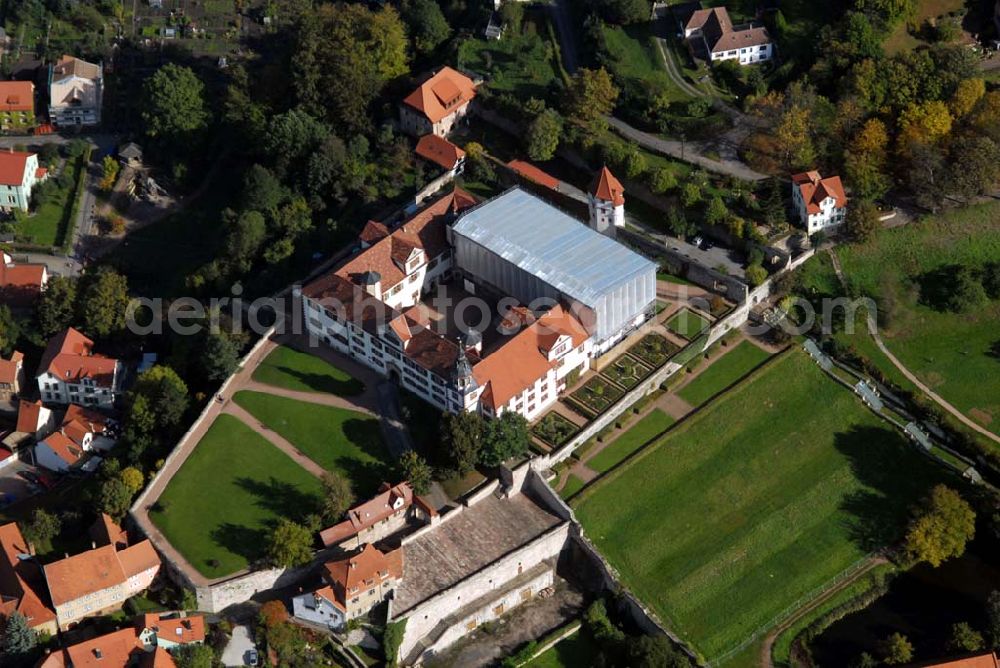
(93, 545)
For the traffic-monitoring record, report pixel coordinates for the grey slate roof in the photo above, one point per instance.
(552, 245)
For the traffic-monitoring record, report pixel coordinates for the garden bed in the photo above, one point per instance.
(554, 429)
(597, 395)
(626, 371)
(687, 324)
(654, 350)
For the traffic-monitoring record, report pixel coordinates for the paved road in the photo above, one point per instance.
(688, 151)
(235, 653)
(910, 376)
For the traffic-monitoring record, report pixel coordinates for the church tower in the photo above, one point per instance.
(607, 203)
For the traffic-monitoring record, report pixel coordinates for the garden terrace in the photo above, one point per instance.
(554, 429)
(654, 350)
(596, 396)
(626, 371)
(687, 324)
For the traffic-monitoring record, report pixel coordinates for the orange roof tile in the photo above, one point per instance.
(442, 94)
(107, 651)
(370, 512)
(364, 569)
(21, 580)
(12, 167)
(20, 284)
(17, 96)
(70, 356)
(82, 574)
(158, 658)
(607, 188)
(28, 416)
(9, 369)
(532, 173)
(63, 447)
(373, 231)
(523, 359)
(138, 558)
(983, 660)
(814, 189)
(105, 531)
(180, 630)
(439, 151)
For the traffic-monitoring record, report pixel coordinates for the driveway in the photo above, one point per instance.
(239, 646)
(14, 488)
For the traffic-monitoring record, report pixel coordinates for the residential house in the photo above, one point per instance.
(76, 92)
(99, 580)
(169, 630)
(33, 421)
(105, 531)
(438, 104)
(712, 32)
(391, 510)
(71, 372)
(119, 649)
(20, 284)
(11, 380)
(22, 586)
(17, 104)
(81, 432)
(355, 585)
(821, 203)
(19, 174)
(441, 152)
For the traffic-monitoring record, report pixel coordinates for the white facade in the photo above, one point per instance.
(18, 196)
(83, 391)
(828, 216)
(76, 92)
(604, 215)
(746, 55)
(314, 608)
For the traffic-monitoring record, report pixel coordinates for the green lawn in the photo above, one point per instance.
(953, 353)
(899, 39)
(572, 486)
(723, 372)
(294, 370)
(576, 651)
(687, 323)
(335, 438)
(632, 439)
(753, 503)
(218, 508)
(635, 59)
(51, 221)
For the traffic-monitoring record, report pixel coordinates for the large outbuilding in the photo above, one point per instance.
(522, 246)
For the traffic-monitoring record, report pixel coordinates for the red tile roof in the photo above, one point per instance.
(70, 356)
(105, 531)
(366, 568)
(373, 231)
(17, 96)
(29, 416)
(532, 173)
(720, 34)
(138, 558)
(983, 660)
(523, 359)
(9, 369)
(20, 284)
(113, 649)
(442, 94)
(12, 167)
(439, 151)
(815, 189)
(371, 512)
(96, 570)
(21, 583)
(64, 447)
(607, 188)
(181, 630)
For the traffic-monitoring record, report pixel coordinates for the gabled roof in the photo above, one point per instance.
(607, 188)
(13, 166)
(63, 447)
(373, 231)
(982, 660)
(21, 583)
(78, 421)
(444, 93)
(17, 96)
(30, 416)
(9, 369)
(69, 67)
(70, 356)
(439, 151)
(138, 558)
(20, 284)
(105, 531)
(814, 189)
(363, 569)
(371, 512)
(113, 649)
(177, 629)
(96, 570)
(533, 174)
(523, 359)
(327, 594)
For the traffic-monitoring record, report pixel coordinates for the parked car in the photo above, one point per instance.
(252, 658)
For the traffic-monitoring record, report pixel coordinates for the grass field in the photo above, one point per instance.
(572, 486)
(219, 506)
(335, 438)
(631, 440)
(636, 59)
(50, 222)
(294, 370)
(576, 651)
(722, 373)
(900, 39)
(953, 353)
(687, 324)
(752, 504)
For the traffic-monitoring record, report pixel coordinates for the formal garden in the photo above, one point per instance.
(687, 324)
(595, 396)
(554, 429)
(219, 508)
(654, 350)
(756, 502)
(626, 371)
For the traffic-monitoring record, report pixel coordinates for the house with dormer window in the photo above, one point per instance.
(72, 373)
(820, 202)
(438, 104)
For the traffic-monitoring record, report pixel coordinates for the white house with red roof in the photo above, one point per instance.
(71, 372)
(80, 433)
(820, 202)
(606, 200)
(714, 30)
(19, 173)
(438, 104)
(441, 152)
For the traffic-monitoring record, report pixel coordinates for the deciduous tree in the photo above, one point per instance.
(591, 95)
(166, 394)
(863, 220)
(462, 438)
(338, 496)
(103, 302)
(896, 649)
(174, 104)
(544, 135)
(428, 27)
(964, 638)
(944, 523)
(504, 437)
(289, 545)
(416, 471)
(56, 305)
(42, 528)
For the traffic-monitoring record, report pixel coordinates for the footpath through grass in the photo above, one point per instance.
(955, 354)
(653, 424)
(723, 372)
(337, 439)
(754, 503)
(218, 508)
(295, 370)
